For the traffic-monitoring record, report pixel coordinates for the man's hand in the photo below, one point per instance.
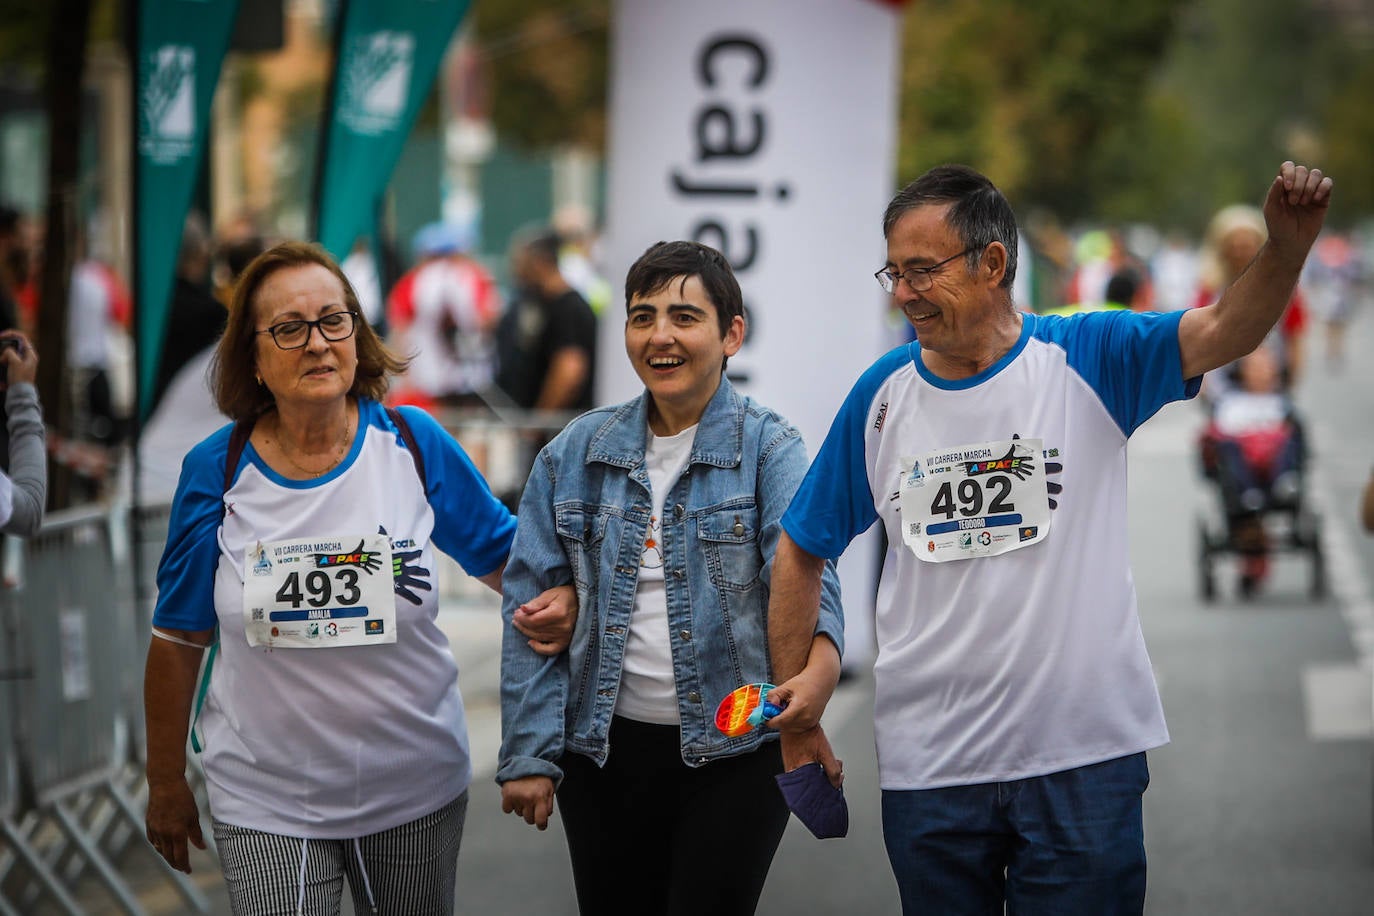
(530, 798)
(1296, 206)
(801, 748)
(804, 698)
(548, 620)
(173, 819)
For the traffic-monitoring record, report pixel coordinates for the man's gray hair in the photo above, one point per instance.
(980, 215)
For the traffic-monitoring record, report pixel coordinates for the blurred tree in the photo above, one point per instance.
(546, 63)
(1251, 77)
(1025, 92)
(1349, 120)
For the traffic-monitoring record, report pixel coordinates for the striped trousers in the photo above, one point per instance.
(409, 869)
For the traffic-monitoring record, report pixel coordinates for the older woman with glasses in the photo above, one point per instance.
(301, 550)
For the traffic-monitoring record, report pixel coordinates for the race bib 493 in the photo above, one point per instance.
(319, 593)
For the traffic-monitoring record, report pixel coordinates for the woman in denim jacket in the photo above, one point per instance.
(664, 512)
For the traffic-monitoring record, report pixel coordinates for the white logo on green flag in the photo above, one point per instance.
(169, 104)
(376, 83)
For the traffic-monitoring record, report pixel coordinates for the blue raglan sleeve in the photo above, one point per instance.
(834, 504)
(190, 557)
(534, 688)
(1131, 359)
(470, 524)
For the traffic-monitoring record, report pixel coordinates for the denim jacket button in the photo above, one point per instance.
(694, 697)
(678, 574)
(678, 511)
(685, 634)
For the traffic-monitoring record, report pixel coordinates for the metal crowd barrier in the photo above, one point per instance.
(75, 647)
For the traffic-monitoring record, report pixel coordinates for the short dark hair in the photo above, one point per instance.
(540, 243)
(1122, 286)
(239, 253)
(662, 262)
(232, 373)
(980, 215)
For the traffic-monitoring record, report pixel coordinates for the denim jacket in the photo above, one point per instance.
(584, 517)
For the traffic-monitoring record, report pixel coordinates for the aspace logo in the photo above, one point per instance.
(974, 468)
(376, 82)
(167, 102)
(358, 558)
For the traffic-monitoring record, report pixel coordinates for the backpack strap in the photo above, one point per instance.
(408, 437)
(238, 441)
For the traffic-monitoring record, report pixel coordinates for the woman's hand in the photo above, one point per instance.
(530, 798)
(812, 746)
(173, 819)
(21, 362)
(548, 620)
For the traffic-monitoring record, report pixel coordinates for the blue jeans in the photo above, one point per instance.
(1067, 843)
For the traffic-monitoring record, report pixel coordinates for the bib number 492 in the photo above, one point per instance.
(971, 495)
(320, 588)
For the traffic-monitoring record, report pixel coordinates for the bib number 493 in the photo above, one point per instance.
(320, 589)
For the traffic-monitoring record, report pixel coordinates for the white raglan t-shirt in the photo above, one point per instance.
(340, 742)
(994, 666)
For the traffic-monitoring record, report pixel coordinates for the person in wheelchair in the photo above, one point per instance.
(1253, 447)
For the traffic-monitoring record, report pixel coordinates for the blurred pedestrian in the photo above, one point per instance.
(443, 313)
(1123, 290)
(195, 317)
(1174, 268)
(99, 309)
(1331, 279)
(577, 258)
(664, 510)
(1234, 238)
(1014, 696)
(301, 545)
(546, 341)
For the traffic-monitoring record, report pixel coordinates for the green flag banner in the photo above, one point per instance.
(389, 52)
(180, 46)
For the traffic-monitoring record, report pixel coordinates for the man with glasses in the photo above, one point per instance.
(1014, 696)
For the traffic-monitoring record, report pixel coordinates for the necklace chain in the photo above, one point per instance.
(338, 453)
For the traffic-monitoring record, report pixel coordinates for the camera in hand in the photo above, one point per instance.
(9, 343)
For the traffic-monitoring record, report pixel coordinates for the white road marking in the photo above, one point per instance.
(1340, 699)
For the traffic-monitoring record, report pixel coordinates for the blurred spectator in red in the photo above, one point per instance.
(443, 314)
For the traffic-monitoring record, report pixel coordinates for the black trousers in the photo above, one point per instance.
(650, 835)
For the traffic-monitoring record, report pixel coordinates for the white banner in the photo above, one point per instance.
(766, 129)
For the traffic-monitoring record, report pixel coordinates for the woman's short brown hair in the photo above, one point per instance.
(233, 370)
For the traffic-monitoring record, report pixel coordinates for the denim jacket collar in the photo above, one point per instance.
(719, 440)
